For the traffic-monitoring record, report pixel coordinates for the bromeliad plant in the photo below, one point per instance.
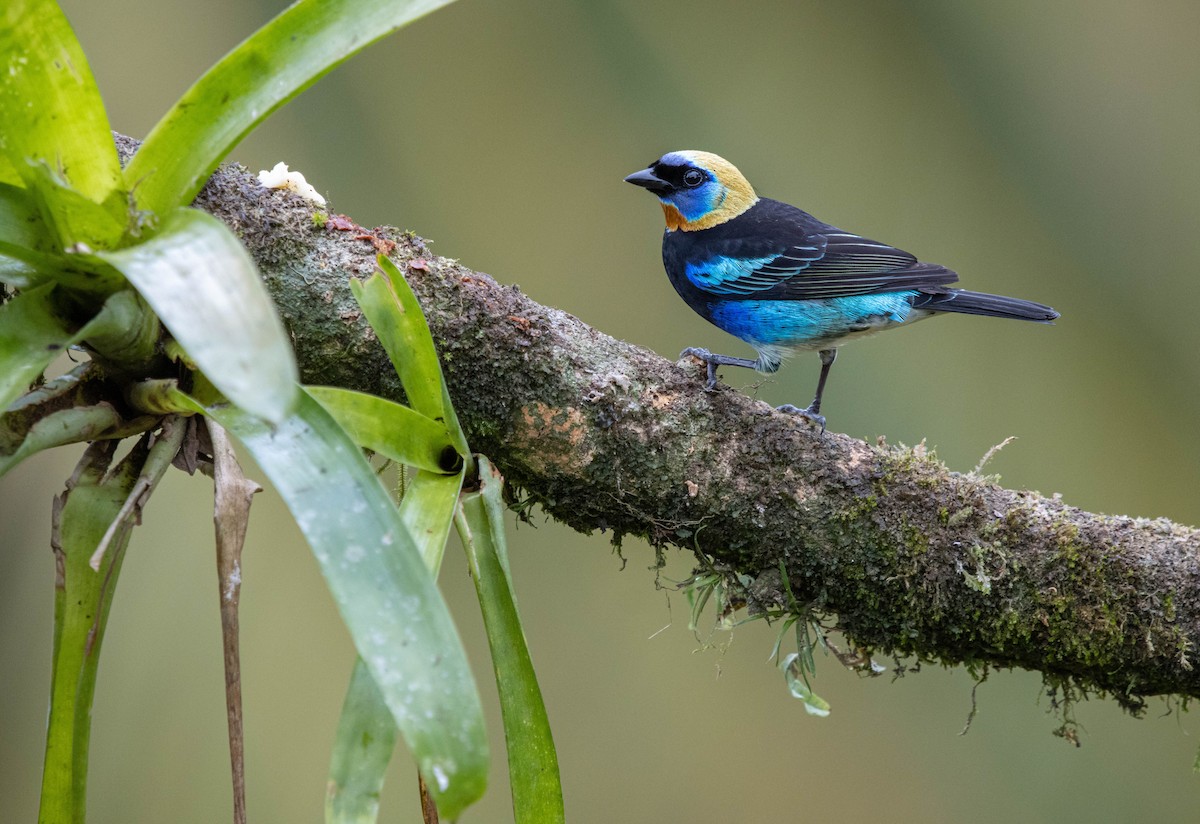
(178, 329)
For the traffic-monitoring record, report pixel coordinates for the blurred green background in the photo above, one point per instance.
(1044, 150)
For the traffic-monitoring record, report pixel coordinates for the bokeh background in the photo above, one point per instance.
(1045, 150)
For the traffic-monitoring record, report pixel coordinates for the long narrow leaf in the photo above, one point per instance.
(54, 120)
(362, 748)
(366, 730)
(80, 423)
(82, 596)
(394, 431)
(393, 312)
(398, 620)
(532, 760)
(203, 285)
(428, 511)
(266, 70)
(361, 754)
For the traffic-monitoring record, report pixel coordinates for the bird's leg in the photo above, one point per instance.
(828, 356)
(813, 413)
(713, 361)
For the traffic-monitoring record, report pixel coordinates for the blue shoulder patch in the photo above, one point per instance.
(736, 276)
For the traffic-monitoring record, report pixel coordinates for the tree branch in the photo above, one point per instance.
(914, 559)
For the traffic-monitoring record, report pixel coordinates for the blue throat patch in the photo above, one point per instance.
(694, 204)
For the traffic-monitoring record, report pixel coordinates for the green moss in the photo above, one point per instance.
(857, 511)
(916, 542)
(988, 563)
(959, 516)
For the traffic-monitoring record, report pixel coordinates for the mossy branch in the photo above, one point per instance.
(913, 559)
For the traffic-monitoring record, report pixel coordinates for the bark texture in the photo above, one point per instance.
(912, 558)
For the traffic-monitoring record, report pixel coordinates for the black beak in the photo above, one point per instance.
(648, 180)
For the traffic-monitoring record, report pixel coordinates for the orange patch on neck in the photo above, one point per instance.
(675, 218)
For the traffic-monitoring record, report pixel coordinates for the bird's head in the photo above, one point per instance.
(698, 190)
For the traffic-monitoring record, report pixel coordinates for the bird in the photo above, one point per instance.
(784, 281)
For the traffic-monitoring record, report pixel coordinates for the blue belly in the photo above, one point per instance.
(811, 324)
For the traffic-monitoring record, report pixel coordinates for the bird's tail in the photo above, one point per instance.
(980, 303)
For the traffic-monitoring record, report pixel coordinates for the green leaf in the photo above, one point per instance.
(795, 672)
(202, 284)
(128, 342)
(74, 425)
(357, 773)
(265, 71)
(56, 135)
(83, 514)
(394, 612)
(32, 333)
(395, 315)
(19, 274)
(390, 429)
(428, 510)
(362, 748)
(30, 252)
(79, 224)
(366, 730)
(532, 761)
(68, 390)
(23, 233)
(7, 173)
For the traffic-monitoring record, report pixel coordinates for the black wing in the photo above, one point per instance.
(783, 253)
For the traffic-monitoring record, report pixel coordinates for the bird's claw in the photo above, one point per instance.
(808, 413)
(702, 354)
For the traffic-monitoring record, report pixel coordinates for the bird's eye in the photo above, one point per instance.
(692, 177)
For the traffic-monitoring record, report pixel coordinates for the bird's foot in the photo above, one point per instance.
(709, 359)
(809, 413)
(714, 360)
